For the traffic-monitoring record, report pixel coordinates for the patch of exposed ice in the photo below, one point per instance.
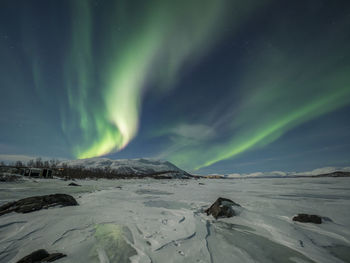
(162, 221)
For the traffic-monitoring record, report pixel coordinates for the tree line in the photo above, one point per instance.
(80, 172)
(34, 163)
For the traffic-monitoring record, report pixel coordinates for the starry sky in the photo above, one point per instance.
(213, 86)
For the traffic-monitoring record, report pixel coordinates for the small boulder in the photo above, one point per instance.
(74, 184)
(35, 203)
(222, 208)
(305, 218)
(41, 255)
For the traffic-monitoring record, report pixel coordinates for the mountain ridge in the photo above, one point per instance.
(129, 167)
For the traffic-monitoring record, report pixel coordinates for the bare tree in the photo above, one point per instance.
(19, 164)
(46, 164)
(53, 163)
(39, 163)
(30, 163)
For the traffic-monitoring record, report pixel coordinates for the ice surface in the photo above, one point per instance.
(162, 221)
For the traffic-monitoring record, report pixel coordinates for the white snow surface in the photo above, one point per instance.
(150, 220)
(127, 166)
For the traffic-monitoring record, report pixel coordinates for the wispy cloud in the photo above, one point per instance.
(11, 158)
(16, 157)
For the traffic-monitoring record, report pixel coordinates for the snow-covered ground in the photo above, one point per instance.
(162, 221)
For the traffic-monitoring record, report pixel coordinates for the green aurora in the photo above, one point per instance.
(151, 50)
(155, 48)
(230, 77)
(278, 91)
(131, 60)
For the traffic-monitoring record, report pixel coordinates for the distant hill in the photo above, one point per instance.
(321, 172)
(128, 167)
(333, 174)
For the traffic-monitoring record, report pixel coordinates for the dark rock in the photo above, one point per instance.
(334, 174)
(35, 203)
(41, 255)
(222, 208)
(305, 218)
(201, 183)
(74, 184)
(36, 256)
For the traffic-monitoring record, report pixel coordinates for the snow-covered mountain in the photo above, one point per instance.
(133, 167)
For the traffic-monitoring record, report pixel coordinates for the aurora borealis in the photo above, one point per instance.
(208, 85)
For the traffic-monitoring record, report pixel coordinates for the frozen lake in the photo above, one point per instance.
(162, 221)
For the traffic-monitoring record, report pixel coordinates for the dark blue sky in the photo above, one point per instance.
(216, 87)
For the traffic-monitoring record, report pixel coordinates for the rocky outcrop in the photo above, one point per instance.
(41, 255)
(222, 208)
(35, 203)
(305, 218)
(74, 184)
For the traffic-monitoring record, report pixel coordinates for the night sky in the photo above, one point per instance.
(212, 86)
